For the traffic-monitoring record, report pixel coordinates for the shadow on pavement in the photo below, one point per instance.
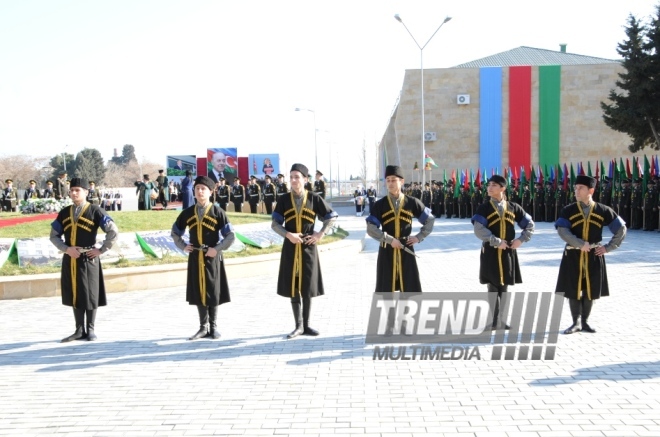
(85, 355)
(612, 372)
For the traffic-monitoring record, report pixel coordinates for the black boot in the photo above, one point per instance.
(297, 316)
(307, 307)
(79, 316)
(213, 318)
(497, 298)
(574, 305)
(586, 310)
(203, 323)
(91, 316)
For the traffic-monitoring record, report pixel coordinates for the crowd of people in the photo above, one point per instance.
(629, 198)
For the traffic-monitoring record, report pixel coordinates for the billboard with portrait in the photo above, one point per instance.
(177, 165)
(222, 162)
(264, 164)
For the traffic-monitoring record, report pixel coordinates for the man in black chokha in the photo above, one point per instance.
(582, 274)
(300, 271)
(210, 234)
(82, 276)
(494, 224)
(269, 194)
(390, 222)
(163, 188)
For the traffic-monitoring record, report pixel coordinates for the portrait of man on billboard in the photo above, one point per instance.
(223, 163)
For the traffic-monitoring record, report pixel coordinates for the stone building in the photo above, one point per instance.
(522, 107)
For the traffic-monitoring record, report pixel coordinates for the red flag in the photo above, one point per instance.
(654, 170)
(628, 173)
(477, 181)
(581, 173)
(597, 172)
(467, 179)
(541, 176)
(453, 176)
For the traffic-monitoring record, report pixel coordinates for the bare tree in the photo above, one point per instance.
(22, 168)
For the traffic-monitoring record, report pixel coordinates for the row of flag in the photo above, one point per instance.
(556, 174)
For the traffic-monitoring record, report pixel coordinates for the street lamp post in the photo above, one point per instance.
(421, 72)
(316, 153)
(64, 157)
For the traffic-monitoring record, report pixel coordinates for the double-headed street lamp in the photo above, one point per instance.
(421, 71)
(316, 152)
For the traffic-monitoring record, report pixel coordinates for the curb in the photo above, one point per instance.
(119, 280)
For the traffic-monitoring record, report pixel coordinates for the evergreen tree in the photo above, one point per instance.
(634, 109)
(90, 166)
(63, 162)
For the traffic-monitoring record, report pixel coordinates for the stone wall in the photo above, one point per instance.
(583, 133)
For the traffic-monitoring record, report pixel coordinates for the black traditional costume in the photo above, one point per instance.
(582, 275)
(494, 222)
(82, 278)
(207, 286)
(300, 271)
(391, 218)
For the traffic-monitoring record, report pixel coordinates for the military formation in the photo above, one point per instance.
(637, 203)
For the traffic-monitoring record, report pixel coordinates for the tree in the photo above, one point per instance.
(90, 165)
(21, 168)
(63, 162)
(127, 156)
(634, 109)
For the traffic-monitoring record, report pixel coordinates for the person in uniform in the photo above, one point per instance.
(549, 202)
(163, 188)
(582, 273)
(210, 234)
(187, 197)
(254, 194)
(371, 195)
(238, 195)
(526, 198)
(624, 202)
(117, 200)
(93, 194)
(319, 184)
(48, 191)
(449, 200)
(9, 197)
(465, 203)
(61, 187)
(143, 190)
(427, 195)
(539, 202)
(475, 200)
(390, 223)
(359, 198)
(636, 205)
(281, 186)
(222, 194)
(650, 207)
(32, 192)
(494, 224)
(269, 194)
(300, 276)
(82, 283)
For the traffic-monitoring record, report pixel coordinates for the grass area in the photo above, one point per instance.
(136, 221)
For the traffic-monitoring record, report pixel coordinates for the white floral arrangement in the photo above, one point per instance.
(43, 206)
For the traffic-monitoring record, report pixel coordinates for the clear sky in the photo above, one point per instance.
(176, 77)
